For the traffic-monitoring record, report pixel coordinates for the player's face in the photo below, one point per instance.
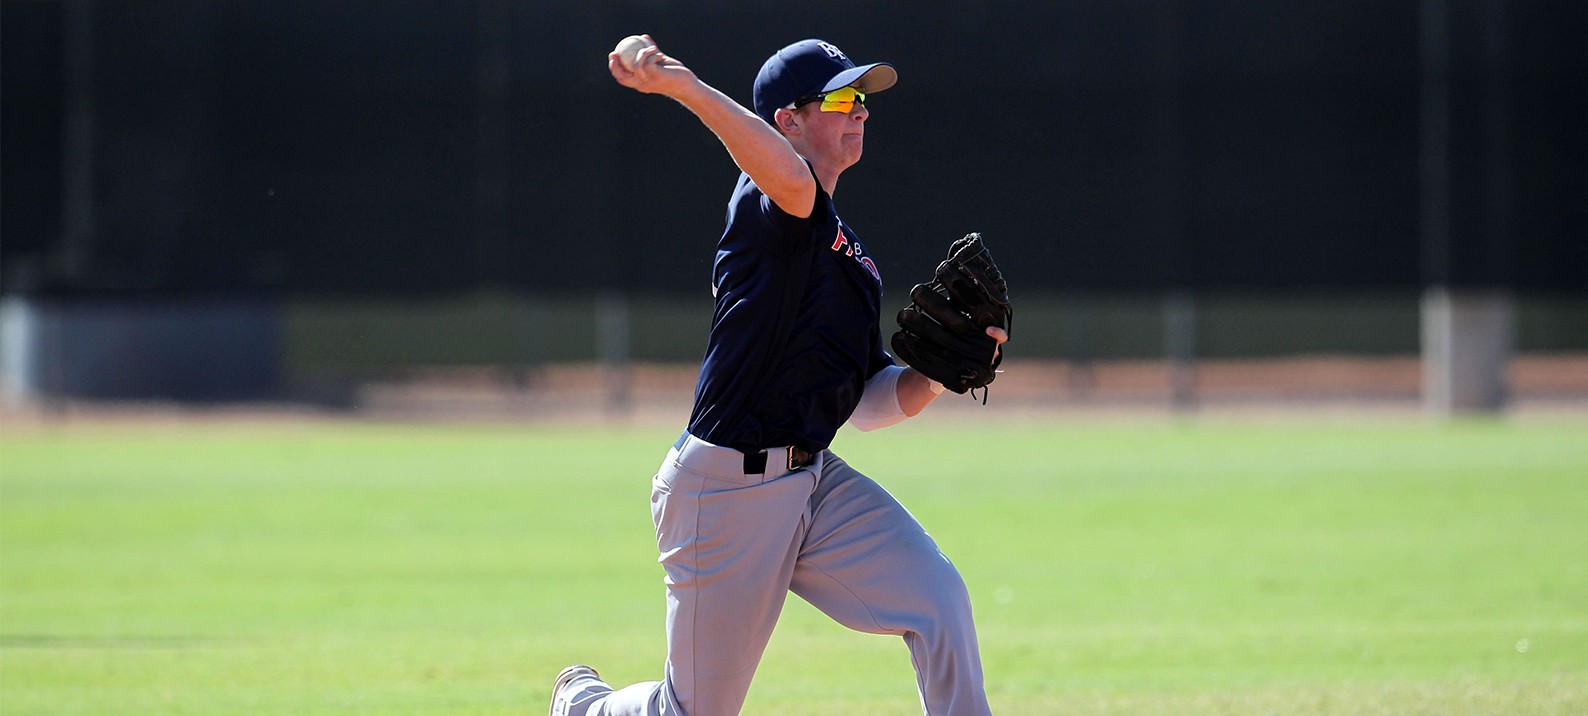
(837, 136)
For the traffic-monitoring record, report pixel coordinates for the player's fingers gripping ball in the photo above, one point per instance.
(943, 332)
(628, 50)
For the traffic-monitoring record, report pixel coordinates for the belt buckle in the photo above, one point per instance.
(755, 463)
(798, 457)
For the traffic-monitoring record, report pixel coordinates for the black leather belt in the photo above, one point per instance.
(798, 457)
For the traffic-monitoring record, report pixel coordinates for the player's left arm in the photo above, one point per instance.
(916, 391)
(896, 393)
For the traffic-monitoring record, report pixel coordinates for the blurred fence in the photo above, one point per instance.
(367, 337)
(334, 148)
(507, 349)
(491, 352)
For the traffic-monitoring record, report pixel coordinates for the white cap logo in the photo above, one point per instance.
(832, 51)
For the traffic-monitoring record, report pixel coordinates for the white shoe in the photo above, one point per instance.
(559, 705)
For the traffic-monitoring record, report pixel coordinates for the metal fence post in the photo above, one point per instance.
(612, 345)
(1180, 345)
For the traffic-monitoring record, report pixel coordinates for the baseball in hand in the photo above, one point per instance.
(628, 50)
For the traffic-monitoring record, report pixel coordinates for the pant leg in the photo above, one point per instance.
(728, 544)
(869, 565)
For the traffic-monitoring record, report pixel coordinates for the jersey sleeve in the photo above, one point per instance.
(788, 225)
(754, 216)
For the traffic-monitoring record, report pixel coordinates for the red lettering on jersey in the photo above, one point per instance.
(849, 248)
(855, 251)
(872, 267)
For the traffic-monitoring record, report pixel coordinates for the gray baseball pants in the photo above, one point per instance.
(733, 545)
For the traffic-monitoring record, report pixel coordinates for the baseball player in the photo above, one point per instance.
(750, 503)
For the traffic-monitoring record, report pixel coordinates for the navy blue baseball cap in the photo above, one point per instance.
(812, 67)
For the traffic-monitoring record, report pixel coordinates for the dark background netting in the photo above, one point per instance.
(396, 148)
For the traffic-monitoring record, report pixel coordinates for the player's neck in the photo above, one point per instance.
(829, 182)
(827, 172)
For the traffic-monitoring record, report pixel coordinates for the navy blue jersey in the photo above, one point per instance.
(794, 331)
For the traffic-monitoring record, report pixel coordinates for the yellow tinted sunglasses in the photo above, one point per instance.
(842, 99)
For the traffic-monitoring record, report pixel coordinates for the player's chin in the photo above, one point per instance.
(854, 145)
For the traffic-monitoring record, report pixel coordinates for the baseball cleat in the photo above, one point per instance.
(559, 705)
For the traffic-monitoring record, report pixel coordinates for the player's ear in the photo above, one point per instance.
(787, 122)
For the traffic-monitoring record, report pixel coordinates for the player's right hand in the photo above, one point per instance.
(654, 72)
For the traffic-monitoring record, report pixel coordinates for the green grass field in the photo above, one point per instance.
(1149, 567)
